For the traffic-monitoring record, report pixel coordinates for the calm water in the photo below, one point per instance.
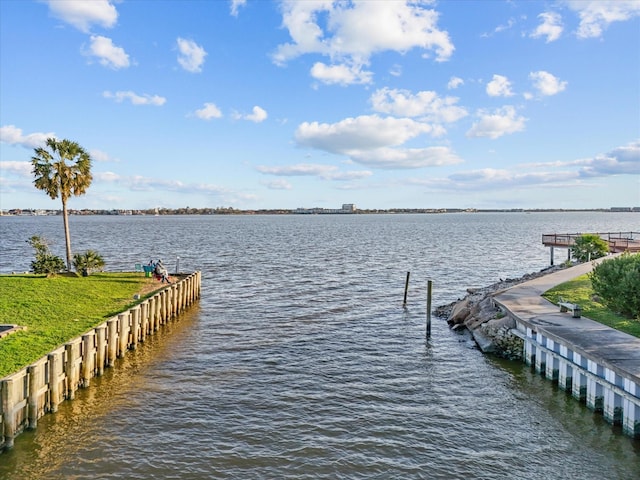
(300, 362)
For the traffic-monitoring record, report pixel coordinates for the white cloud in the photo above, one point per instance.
(620, 161)
(455, 82)
(491, 179)
(426, 104)
(366, 132)
(134, 98)
(596, 16)
(350, 175)
(108, 54)
(395, 158)
(494, 125)
(208, 111)
(340, 74)
(22, 169)
(139, 183)
(499, 86)
(354, 31)
(546, 83)
(299, 170)
(191, 55)
(13, 136)
(278, 184)
(551, 27)
(235, 6)
(82, 14)
(258, 115)
(100, 156)
(623, 160)
(325, 172)
(375, 141)
(396, 70)
(107, 177)
(501, 28)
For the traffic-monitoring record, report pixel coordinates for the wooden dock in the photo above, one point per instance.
(618, 241)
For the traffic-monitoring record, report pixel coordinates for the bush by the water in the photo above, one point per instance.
(88, 262)
(617, 283)
(588, 247)
(45, 261)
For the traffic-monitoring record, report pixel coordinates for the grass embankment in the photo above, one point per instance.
(579, 291)
(60, 308)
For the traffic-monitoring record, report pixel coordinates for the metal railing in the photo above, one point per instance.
(618, 241)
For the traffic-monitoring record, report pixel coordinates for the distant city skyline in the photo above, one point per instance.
(284, 105)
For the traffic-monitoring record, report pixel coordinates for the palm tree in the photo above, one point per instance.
(62, 169)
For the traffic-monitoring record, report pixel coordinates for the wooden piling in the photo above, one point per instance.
(152, 313)
(54, 381)
(101, 345)
(8, 414)
(33, 372)
(429, 289)
(112, 343)
(73, 358)
(87, 358)
(123, 334)
(406, 289)
(135, 327)
(144, 320)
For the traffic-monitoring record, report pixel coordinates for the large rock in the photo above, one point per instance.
(491, 328)
(482, 312)
(459, 313)
(484, 342)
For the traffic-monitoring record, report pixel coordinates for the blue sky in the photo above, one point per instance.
(385, 104)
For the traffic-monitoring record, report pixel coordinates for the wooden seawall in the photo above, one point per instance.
(28, 394)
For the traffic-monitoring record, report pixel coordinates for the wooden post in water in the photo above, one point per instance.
(54, 382)
(112, 337)
(144, 320)
(123, 334)
(71, 368)
(429, 288)
(101, 344)
(135, 327)
(406, 288)
(8, 414)
(33, 372)
(87, 359)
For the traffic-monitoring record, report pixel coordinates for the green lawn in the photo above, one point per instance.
(60, 308)
(579, 291)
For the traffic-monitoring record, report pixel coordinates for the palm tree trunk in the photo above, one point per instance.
(67, 237)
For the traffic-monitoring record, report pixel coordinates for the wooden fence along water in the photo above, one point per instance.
(27, 395)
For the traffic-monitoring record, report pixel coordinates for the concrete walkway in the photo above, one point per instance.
(617, 350)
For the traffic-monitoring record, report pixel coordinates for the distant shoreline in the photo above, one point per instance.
(303, 211)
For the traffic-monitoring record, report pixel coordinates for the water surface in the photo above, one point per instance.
(300, 362)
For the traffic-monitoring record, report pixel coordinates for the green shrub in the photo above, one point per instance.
(45, 261)
(588, 247)
(617, 283)
(88, 262)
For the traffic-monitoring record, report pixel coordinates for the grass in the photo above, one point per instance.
(579, 291)
(60, 308)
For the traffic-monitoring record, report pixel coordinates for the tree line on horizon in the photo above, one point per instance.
(284, 211)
